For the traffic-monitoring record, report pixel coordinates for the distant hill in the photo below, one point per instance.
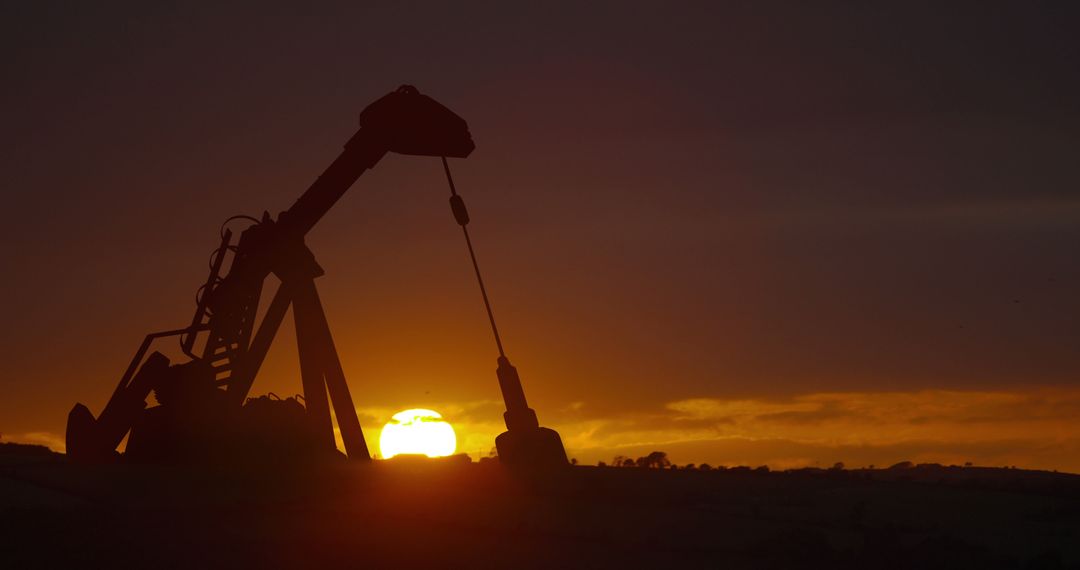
(11, 449)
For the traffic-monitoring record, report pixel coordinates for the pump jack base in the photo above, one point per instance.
(539, 448)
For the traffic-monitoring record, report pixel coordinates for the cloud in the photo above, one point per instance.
(1036, 429)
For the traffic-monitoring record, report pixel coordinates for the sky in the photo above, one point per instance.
(777, 233)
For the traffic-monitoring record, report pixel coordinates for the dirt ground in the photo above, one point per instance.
(455, 514)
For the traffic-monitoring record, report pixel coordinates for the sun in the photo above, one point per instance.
(419, 432)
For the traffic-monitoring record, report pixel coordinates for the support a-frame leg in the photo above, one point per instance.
(311, 369)
(321, 371)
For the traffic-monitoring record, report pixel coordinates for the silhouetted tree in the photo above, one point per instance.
(656, 459)
(705, 467)
(838, 466)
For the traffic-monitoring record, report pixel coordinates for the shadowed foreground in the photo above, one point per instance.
(464, 515)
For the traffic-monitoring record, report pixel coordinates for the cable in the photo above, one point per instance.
(216, 280)
(457, 205)
(253, 219)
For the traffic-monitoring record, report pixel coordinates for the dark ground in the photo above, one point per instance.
(450, 514)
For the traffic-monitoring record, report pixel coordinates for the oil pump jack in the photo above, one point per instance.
(204, 413)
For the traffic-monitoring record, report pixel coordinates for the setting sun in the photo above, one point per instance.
(419, 432)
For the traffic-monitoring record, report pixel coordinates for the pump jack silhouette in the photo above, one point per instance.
(204, 413)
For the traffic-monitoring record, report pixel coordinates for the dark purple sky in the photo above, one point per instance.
(756, 200)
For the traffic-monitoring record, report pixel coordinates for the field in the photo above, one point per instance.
(457, 514)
